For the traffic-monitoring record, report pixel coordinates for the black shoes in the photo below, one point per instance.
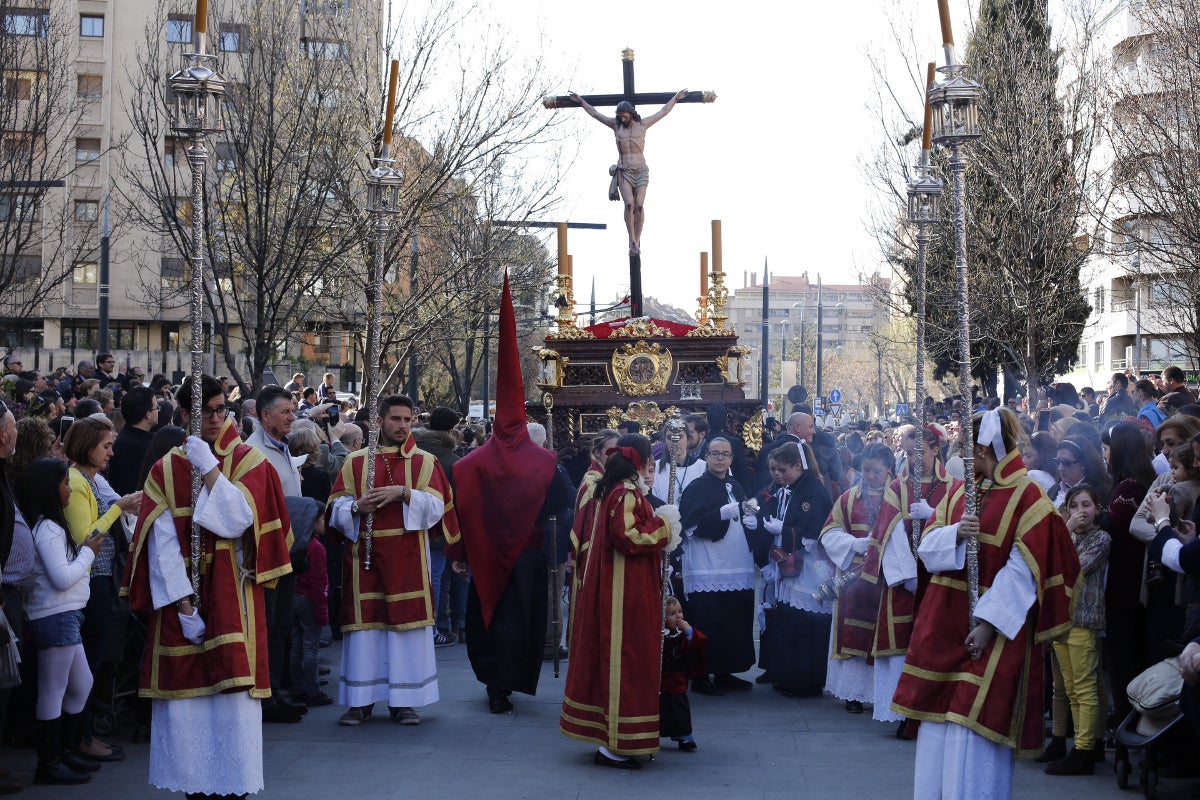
(688, 747)
(1056, 750)
(732, 682)
(498, 702)
(602, 760)
(280, 712)
(705, 686)
(1076, 762)
(854, 706)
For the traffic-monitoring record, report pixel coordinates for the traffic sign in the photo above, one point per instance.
(797, 394)
(901, 408)
(835, 395)
(835, 408)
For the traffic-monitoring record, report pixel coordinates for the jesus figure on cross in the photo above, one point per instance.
(631, 174)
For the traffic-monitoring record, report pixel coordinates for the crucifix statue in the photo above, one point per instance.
(630, 175)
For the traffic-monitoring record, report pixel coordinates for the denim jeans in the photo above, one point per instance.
(437, 566)
(453, 606)
(306, 641)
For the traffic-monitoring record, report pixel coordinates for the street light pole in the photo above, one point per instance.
(820, 335)
(1134, 246)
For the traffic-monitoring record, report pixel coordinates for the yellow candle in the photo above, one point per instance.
(391, 102)
(704, 274)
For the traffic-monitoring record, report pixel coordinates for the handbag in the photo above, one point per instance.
(788, 564)
(10, 655)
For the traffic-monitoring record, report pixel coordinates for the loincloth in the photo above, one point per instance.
(637, 176)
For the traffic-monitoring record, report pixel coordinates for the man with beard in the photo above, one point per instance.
(631, 175)
(387, 649)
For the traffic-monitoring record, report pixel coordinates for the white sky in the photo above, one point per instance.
(776, 158)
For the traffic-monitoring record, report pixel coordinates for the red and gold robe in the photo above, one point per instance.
(233, 656)
(611, 695)
(897, 605)
(999, 695)
(855, 610)
(395, 594)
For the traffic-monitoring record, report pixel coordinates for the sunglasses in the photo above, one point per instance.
(1064, 463)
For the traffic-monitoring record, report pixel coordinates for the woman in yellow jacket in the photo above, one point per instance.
(95, 507)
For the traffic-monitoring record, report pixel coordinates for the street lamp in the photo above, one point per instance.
(802, 342)
(1133, 247)
(198, 89)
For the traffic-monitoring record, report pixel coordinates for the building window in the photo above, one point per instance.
(1099, 355)
(174, 151)
(179, 30)
(332, 7)
(226, 157)
(173, 273)
(27, 23)
(91, 26)
(18, 208)
(17, 89)
(231, 38)
(17, 148)
(86, 273)
(1098, 300)
(87, 149)
(87, 210)
(324, 49)
(91, 85)
(27, 269)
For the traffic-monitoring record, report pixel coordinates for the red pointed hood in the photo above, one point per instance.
(502, 485)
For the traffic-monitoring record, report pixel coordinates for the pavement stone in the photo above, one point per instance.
(754, 745)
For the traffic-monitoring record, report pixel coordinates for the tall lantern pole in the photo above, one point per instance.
(198, 89)
(955, 103)
(383, 199)
(924, 194)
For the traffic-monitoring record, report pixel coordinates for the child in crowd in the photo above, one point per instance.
(310, 612)
(1079, 655)
(682, 659)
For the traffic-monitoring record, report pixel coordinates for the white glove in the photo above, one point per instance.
(731, 510)
(861, 546)
(773, 526)
(200, 454)
(193, 626)
(750, 522)
(921, 510)
(670, 515)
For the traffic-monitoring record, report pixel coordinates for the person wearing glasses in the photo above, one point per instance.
(1079, 462)
(718, 569)
(205, 667)
(12, 364)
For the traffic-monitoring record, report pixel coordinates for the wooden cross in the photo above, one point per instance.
(629, 93)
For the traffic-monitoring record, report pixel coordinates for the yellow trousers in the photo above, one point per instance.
(1079, 658)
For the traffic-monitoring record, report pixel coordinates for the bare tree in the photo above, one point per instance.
(1027, 207)
(44, 157)
(289, 238)
(1156, 138)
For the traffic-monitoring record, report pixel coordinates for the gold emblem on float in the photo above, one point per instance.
(642, 368)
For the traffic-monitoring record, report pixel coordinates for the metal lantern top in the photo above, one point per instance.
(198, 89)
(924, 195)
(383, 187)
(955, 102)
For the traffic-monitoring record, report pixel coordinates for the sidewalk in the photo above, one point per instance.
(754, 745)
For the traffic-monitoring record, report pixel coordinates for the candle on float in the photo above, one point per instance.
(564, 261)
(704, 274)
(716, 246)
(570, 265)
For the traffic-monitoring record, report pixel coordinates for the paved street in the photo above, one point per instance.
(753, 745)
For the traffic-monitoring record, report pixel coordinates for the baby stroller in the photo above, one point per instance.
(1154, 695)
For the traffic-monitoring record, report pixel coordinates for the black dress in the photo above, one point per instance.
(795, 645)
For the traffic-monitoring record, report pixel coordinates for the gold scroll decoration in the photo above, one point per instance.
(645, 412)
(642, 368)
(752, 431)
(730, 364)
(638, 329)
